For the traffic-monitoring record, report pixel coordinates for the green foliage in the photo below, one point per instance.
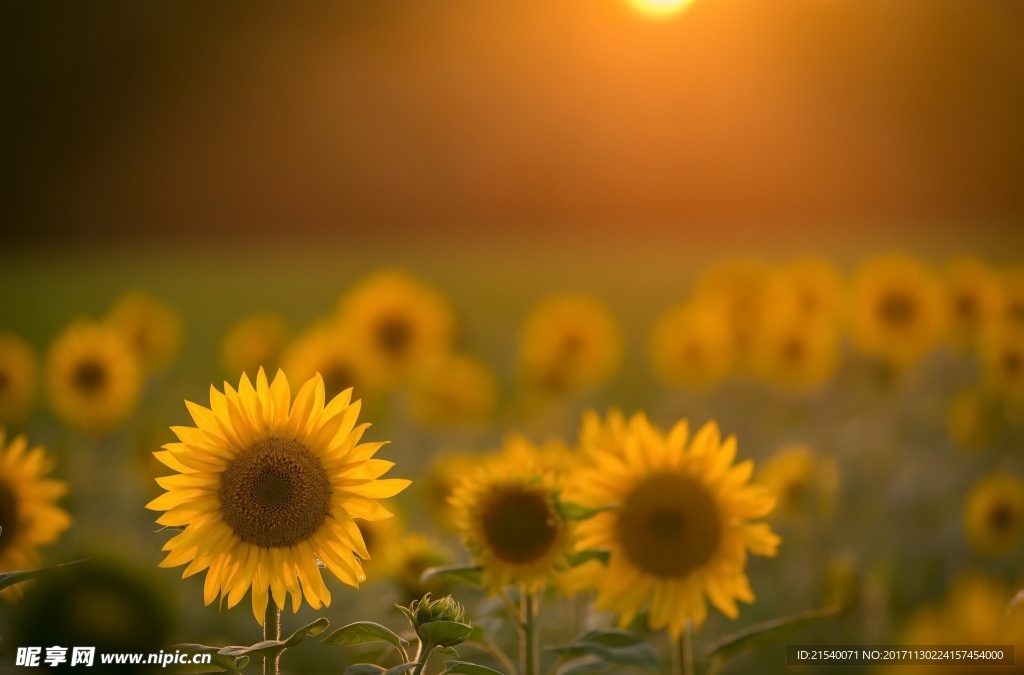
(766, 631)
(232, 659)
(363, 632)
(465, 575)
(609, 646)
(466, 668)
(17, 577)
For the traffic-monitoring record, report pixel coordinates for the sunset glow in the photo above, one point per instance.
(659, 8)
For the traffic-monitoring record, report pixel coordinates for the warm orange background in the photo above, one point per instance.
(581, 116)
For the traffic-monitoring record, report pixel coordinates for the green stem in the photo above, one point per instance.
(421, 658)
(529, 655)
(272, 631)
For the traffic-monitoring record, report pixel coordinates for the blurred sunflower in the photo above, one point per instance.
(255, 342)
(976, 611)
(266, 487)
(436, 487)
(397, 324)
(414, 555)
(801, 481)
(568, 343)
(796, 354)
(29, 515)
(971, 418)
(897, 309)
(975, 298)
(994, 515)
(812, 287)
(94, 377)
(690, 346)
(741, 287)
(1013, 298)
(510, 519)
(454, 389)
(678, 530)
(151, 328)
(1001, 352)
(382, 539)
(19, 373)
(324, 349)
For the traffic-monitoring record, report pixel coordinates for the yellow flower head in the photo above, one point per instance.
(415, 555)
(690, 346)
(509, 515)
(446, 470)
(678, 530)
(1001, 352)
(796, 353)
(812, 287)
(266, 487)
(801, 481)
(325, 349)
(568, 343)
(741, 287)
(994, 515)
(255, 342)
(974, 296)
(29, 515)
(897, 309)
(454, 389)
(1013, 298)
(976, 611)
(19, 373)
(151, 329)
(397, 324)
(94, 377)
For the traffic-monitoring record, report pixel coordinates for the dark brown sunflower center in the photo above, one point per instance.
(1013, 363)
(966, 307)
(669, 525)
(337, 378)
(793, 351)
(89, 376)
(8, 516)
(275, 493)
(519, 524)
(1002, 517)
(897, 308)
(394, 335)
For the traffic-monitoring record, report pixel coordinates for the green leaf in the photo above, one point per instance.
(219, 663)
(445, 633)
(467, 575)
(271, 648)
(572, 511)
(466, 668)
(448, 651)
(611, 646)
(582, 665)
(11, 578)
(750, 636)
(580, 557)
(364, 669)
(362, 632)
(398, 670)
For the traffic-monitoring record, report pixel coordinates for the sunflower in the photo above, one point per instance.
(741, 287)
(690, 346)
(977, 610)
(994, 515)
(29, 515)
(812, 287)
(414, 555)
(510, 519)
(678, 527)
(455, 389)
(971, 419)
(974, 296)
(19, 373)
(1013, 298)
(94, 377)
(1001, 352)
(797, 353)
(801, 481)
(443, 475)
(151, 328)
(897, 309)
(255, 342)
(382, 539)
(397, 324)
(324, 349)
(568, 343)
(266, 487)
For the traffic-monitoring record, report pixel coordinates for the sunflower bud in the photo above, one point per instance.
(438, 622)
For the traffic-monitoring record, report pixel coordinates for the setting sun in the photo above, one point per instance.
(659, 8)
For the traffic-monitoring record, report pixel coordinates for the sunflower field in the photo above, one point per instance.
(336, 463)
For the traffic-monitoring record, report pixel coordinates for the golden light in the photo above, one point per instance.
(659, 9)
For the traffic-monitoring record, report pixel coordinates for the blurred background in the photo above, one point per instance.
(236, 161)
